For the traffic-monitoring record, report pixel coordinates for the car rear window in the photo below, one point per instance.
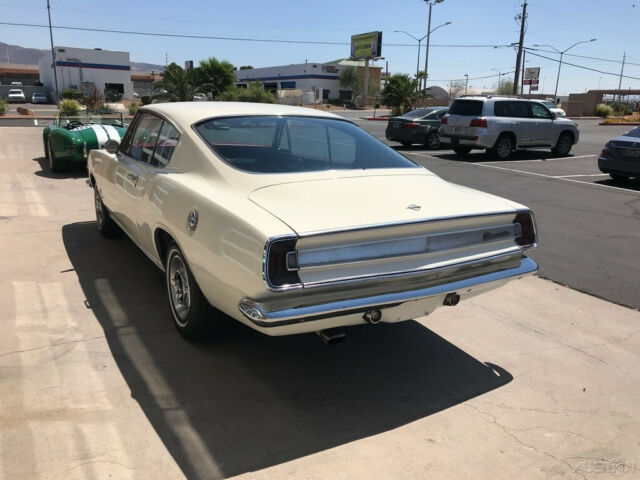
(634, 132)
(466, 107)
(291, 144)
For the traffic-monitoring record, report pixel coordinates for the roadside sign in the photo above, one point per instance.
(531, 73)
(366, 45)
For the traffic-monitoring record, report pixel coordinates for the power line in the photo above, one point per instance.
(237, 39)
(581, 66)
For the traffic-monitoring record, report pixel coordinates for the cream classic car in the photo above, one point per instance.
(293, 220)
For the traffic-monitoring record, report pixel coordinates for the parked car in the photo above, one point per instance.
(417, 126)
(620, 157)
(16, 83)
(553, 108)
(502, 125)
(39, 98)
(16, 95)
(294, 220)
(69, 139)
(200, 97)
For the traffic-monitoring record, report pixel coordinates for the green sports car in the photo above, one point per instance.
(69, 139)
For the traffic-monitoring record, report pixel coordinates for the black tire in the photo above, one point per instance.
(433, 141)
(406, 144)
(192, 315)
(563, 147)
(55, 165)
(617, 177)
(460, 149)
(106, 226)
(503, 148)
(46, 149)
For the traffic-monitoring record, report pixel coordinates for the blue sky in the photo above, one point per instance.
(560, 23)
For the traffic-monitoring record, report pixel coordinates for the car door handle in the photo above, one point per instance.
(516, 123)
(133, 176)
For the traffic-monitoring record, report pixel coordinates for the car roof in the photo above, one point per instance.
(188, 113)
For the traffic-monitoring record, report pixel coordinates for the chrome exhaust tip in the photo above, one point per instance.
(373, 316)
(451, 300)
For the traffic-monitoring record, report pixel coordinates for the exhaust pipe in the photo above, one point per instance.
(331, 336)
(451, 300)
(373, 316)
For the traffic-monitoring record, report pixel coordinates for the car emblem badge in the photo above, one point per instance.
(414, 207)
(192, 220)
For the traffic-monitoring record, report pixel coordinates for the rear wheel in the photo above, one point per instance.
(46, 149)
(433, 141)
(503, 148)
(563, 147)
(192, 315)
(618, 177)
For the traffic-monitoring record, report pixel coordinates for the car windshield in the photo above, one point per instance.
(549, 104)
(95, 118)
(634, 132)
(290, 144)
(18, 92)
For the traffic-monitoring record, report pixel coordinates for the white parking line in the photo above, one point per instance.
(542, 159)
(423, 155)
(626, 190)
(579, 175)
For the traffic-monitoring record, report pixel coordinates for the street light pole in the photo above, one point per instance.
(53, 55)
(431, 3)
(419, 40)
(555, 93)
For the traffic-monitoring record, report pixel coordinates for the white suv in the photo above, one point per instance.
(502, 125)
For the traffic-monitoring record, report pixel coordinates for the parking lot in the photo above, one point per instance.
(538, 379)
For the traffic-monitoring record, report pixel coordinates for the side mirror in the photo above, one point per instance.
(111, 146)
(553, 116)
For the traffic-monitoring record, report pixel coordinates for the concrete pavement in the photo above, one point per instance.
(534, 380)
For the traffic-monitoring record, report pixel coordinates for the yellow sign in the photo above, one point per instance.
(366, 45)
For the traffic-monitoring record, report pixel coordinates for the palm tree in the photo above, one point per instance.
(400, 91)
(176, 84)
(421, 76)
(213, 76)
(349, 78)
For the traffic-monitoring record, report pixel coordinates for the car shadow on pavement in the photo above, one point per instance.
(70, 171)
(631, 184)
(518, 156)
(248, 401)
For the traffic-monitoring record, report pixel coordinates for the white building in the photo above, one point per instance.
(83, 68)
(322, 78)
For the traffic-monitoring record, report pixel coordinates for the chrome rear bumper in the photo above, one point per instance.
(256, 313)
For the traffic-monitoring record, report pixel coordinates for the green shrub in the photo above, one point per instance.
(71, 94)
(112, 96)
(3, 107)
(69, 106)
(133, 108)
(146, 99)
(396, 111)
(603, 110)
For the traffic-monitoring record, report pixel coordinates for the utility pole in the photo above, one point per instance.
(523, 19)
(166, 59)
(466, 83)
(624, 57)
(53, 55)
(524, 56)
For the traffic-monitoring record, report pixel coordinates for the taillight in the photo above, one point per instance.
(479, 122)
(282, 263)
(605, 150)
(443, 120)
(410, 125)
(527, 235)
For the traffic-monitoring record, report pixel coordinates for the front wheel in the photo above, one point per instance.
(563, 147)
(106, 226)
(194, 318)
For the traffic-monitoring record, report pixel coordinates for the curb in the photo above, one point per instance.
(376, 119)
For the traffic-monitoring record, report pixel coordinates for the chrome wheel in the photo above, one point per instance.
(504, 147)
(179, 291)
(99, 208)
(433, 141)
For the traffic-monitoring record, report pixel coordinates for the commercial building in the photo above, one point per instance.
(323, 79)
(83, 68)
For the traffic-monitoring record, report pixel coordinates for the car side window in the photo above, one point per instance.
(502, 109)
(126, 140)
(520, 109)
(166, 144)
(540, 111)
(144, 138)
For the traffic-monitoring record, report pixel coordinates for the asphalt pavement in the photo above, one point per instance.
(588, 225)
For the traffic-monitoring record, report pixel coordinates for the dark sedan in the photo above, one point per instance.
(620, 157)
(417, 126)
